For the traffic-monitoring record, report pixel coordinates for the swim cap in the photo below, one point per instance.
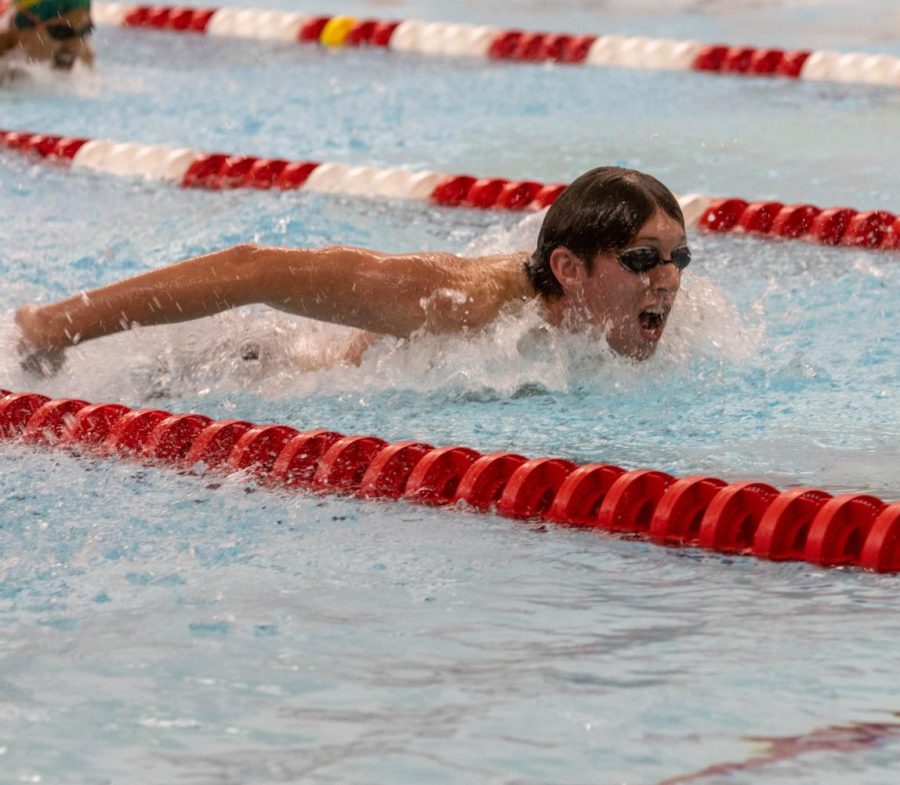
(31, 12)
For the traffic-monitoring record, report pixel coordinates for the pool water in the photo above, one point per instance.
(159, 627)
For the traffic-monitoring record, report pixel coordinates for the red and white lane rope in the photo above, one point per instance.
(194, 169)
(748, 518)
(463, 40)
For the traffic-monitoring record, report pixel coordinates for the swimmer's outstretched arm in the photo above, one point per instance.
(381, 293)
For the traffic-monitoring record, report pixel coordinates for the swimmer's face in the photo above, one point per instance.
(59, 41)
(632, 308)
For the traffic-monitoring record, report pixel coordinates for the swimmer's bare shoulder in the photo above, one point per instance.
(395, 294)
(475, 291)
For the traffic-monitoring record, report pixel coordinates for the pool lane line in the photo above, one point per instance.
(843, 226)
(448, 39)
(741, 518)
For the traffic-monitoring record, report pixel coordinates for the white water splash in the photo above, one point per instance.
(20, 78)
(273, 354)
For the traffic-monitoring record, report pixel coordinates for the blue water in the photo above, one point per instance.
(157, 627)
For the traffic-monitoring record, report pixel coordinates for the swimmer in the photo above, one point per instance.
(50, 31)
(609, 258)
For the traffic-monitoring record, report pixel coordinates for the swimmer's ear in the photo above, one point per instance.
(567, 267)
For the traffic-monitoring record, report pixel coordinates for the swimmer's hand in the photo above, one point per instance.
(36, 353)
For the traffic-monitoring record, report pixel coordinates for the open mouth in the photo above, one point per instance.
(64, 60)
(652, 322)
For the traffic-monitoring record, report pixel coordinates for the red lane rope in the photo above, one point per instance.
(746, 518)
(843, 226)
(481, 41)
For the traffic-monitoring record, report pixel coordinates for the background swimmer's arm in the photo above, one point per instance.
(350, 286)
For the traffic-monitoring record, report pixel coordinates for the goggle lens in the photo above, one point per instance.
(60, 32)
(642, 260)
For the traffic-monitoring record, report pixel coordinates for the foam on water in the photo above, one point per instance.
(290, 356)
(21, 79)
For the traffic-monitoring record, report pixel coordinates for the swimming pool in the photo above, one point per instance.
(159, 627)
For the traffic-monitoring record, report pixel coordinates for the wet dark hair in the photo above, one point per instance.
(600, 211)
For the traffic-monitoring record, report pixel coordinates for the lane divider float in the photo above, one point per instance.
(744, 518)
(876, 229)
(466, 40)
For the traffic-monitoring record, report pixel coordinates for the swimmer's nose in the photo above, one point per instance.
(665, 277)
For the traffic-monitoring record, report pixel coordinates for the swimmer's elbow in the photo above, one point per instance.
(241, 273)
(270, 274)
(250, 261)
(245, 253)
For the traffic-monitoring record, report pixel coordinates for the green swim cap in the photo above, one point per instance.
(30, 12)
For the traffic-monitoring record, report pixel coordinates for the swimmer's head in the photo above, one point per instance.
(582, 268)
(54, 31)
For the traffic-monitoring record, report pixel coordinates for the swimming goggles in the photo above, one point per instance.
(642, 260)
(63, 32)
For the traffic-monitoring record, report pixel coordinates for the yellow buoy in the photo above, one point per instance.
(336, 30)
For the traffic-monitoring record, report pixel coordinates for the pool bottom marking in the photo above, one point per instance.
(844, 739)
